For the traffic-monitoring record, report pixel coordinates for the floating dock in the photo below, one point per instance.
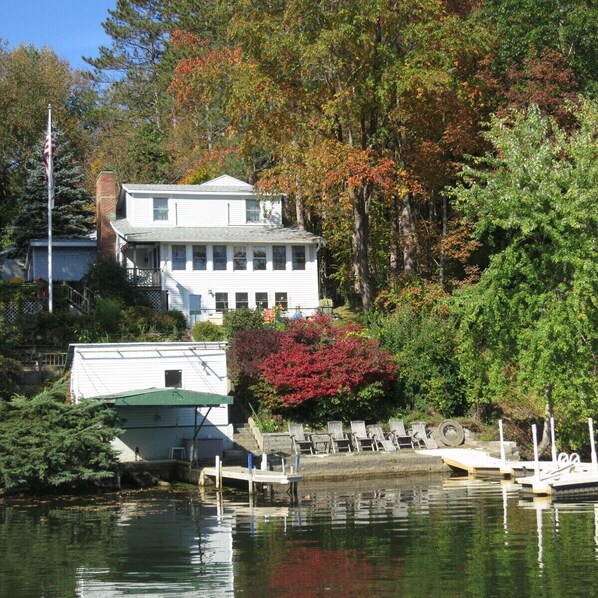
(568, 476)
(477, 462)
(567, 483)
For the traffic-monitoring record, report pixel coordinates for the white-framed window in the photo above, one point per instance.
(179, 257)
(220, 257)
(261, 300)
(259, 258)
(281, 300)
(298, 253)
(252, 210)
(279, 257)
(200, 257)
(241, 300)
(239, 257)
(160, 208)
(221, 302)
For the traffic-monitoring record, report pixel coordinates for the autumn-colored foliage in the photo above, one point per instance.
(318, 359)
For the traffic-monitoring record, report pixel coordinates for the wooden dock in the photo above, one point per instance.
(566, 483)
(264, 476)
(259, 476)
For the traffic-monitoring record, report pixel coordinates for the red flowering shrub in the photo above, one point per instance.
(318, 360)
(247, 351)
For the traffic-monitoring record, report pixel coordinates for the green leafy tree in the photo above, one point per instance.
(72, 214)
(30, 79)
(135, 105)
(47, 445)
(529, 327)
(526, 28)
(417, 330)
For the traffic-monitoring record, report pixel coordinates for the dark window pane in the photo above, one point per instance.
(298, 257)
(241, 300)
(221, 302)
(259, 258)
(240, 257)
(261, 300)
(220, 257)
(279, 257)
(179, 257)
(173, 378)
(200, 257)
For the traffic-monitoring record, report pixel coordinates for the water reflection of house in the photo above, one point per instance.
(166, 394)
(172, 548)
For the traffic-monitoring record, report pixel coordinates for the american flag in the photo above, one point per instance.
(49, 149)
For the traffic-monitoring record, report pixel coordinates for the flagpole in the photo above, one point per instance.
(50, 205)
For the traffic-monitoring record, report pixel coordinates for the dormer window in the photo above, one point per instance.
(160, 208)
(252, 210)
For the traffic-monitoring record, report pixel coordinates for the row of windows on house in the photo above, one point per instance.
(242, 301)
(257, 256)
(252, 210)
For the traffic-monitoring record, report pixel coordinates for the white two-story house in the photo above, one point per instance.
(214, 247)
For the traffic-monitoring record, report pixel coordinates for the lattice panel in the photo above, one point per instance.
(11, 311)
(155, 299)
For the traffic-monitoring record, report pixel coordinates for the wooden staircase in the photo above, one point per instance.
(82, 301)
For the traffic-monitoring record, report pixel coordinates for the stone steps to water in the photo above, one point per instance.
(243, 443)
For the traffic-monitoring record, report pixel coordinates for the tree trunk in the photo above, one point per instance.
(443, 239)
(300, 211)
(360, 249)
(408, 235)
(394, 245)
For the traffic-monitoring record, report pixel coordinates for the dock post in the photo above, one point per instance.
(264, 463)
(250, 471)
(593, 443)
(553, 440)
(218, 473)
(503, 456)
(536, 457)
(297, 462)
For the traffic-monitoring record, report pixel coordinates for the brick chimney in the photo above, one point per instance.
(106, 196)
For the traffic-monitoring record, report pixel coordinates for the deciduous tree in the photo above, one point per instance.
(530, 325)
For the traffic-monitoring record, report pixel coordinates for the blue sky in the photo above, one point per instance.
(72, 28)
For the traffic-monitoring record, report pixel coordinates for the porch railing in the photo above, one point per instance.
(143, 277)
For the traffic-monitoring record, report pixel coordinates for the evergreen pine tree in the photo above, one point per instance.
(72, 215)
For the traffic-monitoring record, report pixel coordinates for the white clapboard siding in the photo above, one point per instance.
(301, 286)
(184, 210)
(103, 369)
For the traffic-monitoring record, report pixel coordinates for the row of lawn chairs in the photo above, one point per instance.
(361, 438)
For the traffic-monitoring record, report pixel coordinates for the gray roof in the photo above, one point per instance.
(220, 234)
(221, 184)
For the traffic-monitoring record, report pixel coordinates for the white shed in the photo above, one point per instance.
(171, 398)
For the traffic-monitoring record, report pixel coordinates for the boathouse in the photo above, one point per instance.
(171, 398)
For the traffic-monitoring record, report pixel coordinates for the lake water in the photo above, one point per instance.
(431, 537)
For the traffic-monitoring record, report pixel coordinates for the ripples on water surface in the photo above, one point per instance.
(454, 537)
